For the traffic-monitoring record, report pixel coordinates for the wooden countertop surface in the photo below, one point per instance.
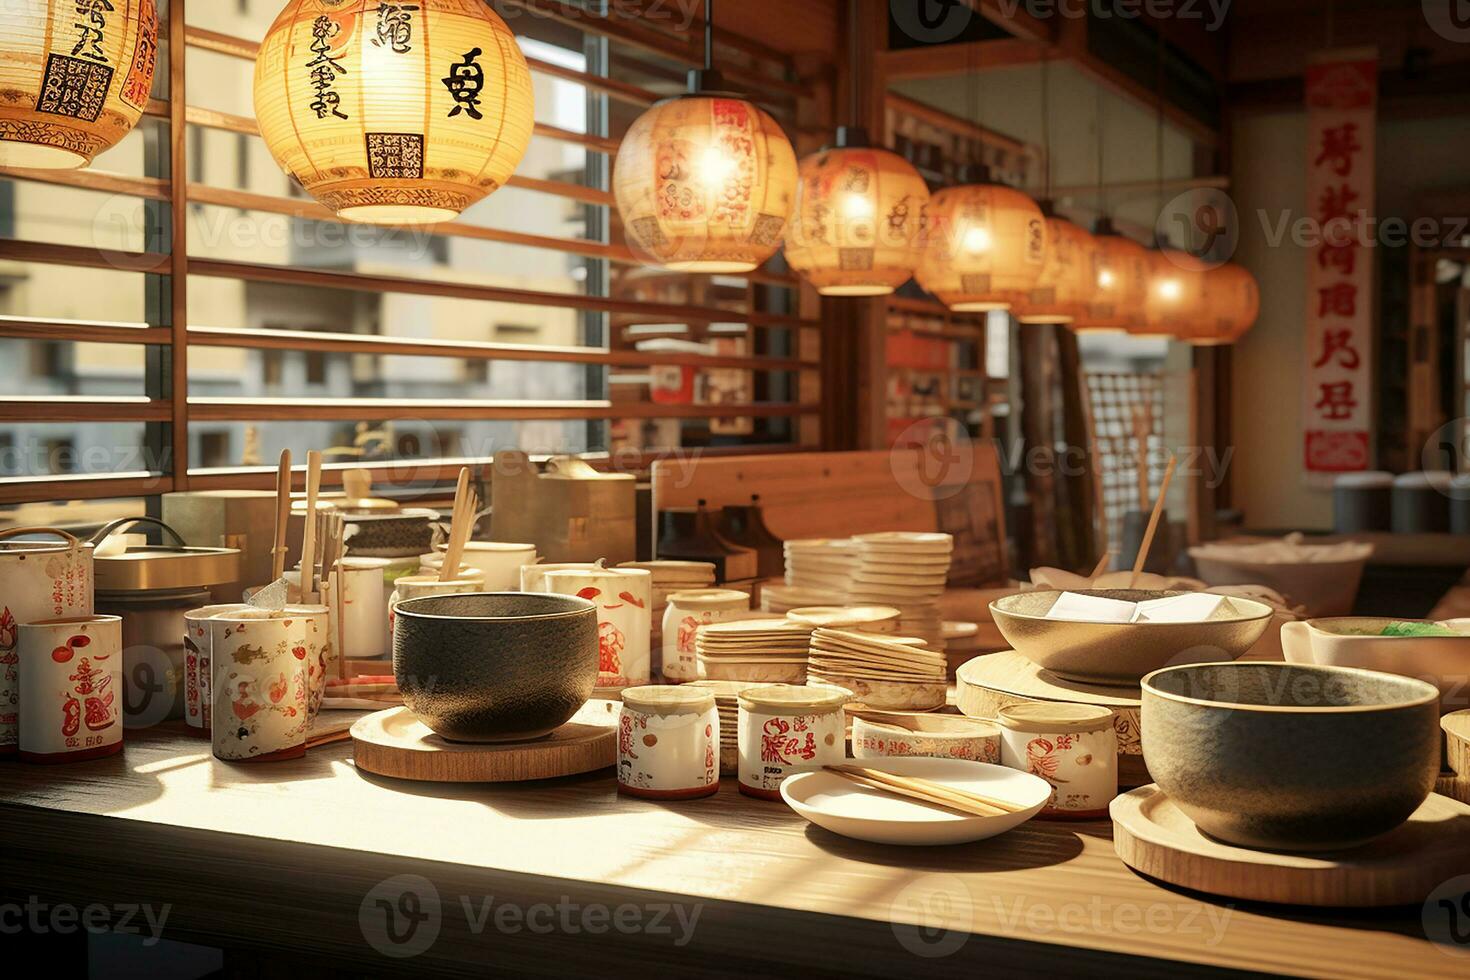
(286, 855)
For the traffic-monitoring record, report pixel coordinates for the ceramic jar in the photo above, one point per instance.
(498, 562)
(1071, 746)
(259, 686)
(668, 743)
(877, 734)
(417, 586)
(357, 585)
(71, 694)
(784, 728)
(315, 634)
(533, 577)
(684, 615)
(38, 580)
(197, 676)
(624, 620)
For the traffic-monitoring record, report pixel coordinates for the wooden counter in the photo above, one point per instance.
(285, 855)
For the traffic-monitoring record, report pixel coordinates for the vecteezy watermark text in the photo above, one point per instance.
(1212, 12)
(401, 917)
(38, 918)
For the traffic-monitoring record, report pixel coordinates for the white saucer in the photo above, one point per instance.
(845, 808)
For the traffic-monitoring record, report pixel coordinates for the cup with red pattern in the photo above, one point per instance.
(623, 597)
(260, 686)
(71, 693)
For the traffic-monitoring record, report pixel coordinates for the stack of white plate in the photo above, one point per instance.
(888, 673)
(862, 619)
(783, 598)
(727, 704)
(825, 564)
(766, 649)
(906, 569)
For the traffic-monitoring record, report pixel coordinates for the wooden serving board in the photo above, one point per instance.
(988, 683)
(1155, 838)
(395, 743)
(1456, 727)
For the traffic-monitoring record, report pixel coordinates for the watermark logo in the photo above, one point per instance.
(1450, 19)
(37, 918)
(1204, 222)
(933, 916)
(1099, 917)
(1448, 450)
(148, 696)
(931, 21)
(945, 459)
(1211, 12)
(1446, 917)
(400, 917)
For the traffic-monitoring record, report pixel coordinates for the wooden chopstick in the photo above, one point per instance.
(308, 533)
(283, 516)
(946, 802)
(458, 528)
(932, 788)
(1153, 522)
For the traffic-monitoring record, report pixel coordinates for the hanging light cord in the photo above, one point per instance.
(1046, 114)
(854, 53)
(1159, 130)
(709, 35)
(1102, 188)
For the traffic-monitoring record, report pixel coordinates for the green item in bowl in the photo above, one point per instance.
(1417, 629)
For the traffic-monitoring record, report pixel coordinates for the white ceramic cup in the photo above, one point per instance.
(686, 612)
(533, 577)
(500, 562)
(71, 688)
(624, 620)
(259, 686)
(357, 585)
(197, 676)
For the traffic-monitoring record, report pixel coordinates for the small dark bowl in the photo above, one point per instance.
(495, 667)
(1288, 757)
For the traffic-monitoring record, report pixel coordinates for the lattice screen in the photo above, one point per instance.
(1116, 398)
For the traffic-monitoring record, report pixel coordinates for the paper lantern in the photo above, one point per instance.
(1175, 294)
(1061, 293)
(394, 113)
(1119, 278)
(855, 229)
(1232, 305)
(705, 183)
(74, 78)
(984, 244)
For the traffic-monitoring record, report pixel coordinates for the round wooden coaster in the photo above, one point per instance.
(395, 743)
(993, 681)
(1456, 727)
(1155, 838)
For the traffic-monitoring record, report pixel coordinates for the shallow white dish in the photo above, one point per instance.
(845, 808)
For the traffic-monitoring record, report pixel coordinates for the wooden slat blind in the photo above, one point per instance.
(174, 334)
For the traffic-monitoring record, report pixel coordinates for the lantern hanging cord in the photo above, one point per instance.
(854, 54)
(1159, 130)
(1102, 187)
(709, 35)
(1046, 113)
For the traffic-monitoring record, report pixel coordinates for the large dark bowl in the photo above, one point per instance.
(495, 667)
(1291, 757)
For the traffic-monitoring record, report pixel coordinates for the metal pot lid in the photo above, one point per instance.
(159, 568)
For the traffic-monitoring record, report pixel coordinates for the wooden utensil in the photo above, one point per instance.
(283, 515)
(1102, 565)
(1142, 428)
(308, 533)
(1153, 521)
(943, 804)
(979, 804)
(460, 521)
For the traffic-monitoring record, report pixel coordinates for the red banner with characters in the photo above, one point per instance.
(1342, 106)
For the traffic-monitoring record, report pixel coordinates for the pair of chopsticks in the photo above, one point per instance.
(461, 524)
(927, 791)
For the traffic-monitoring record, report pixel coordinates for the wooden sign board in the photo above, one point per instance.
(836, 495)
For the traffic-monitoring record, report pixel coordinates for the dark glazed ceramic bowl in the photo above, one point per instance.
(1289, 757)
(495, 667)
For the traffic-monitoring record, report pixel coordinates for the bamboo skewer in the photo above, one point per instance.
(1102, 565)
(283, 516)
(461, 517)
(930, 791)
(1153, 522)
(308, 534)
(1142, 428)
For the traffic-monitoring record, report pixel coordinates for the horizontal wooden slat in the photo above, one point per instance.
(88, 258)
(352, 409)
(87, 486)
(101, 181)
(83, 408)
(666, 312)
(85, 331)
(360, 344)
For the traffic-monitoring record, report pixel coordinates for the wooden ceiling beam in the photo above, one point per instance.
(945, 60)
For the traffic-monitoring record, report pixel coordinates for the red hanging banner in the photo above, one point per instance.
(1342, 107)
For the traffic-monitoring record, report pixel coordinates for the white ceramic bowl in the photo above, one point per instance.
(879, 734)
(845, 808)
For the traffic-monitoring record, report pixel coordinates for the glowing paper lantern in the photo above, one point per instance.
(855, 230)
(1233, 303)
(985, 243)
(1119, 279)
(1062, 291)
(74, 78)
(1175, 294)
(705, 183)
(396, 113)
